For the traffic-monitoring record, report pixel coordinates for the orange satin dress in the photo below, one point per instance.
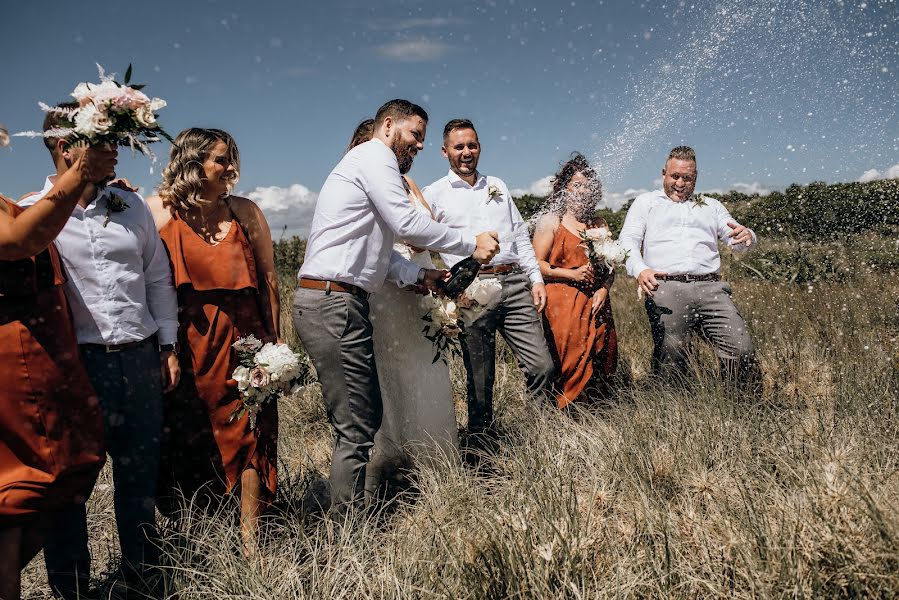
(218, 302)
(585, 348)
(51, 428)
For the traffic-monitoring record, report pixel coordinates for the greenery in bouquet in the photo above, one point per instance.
(264, 372)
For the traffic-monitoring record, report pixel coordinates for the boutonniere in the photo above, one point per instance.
(114, 203)
(698, 201)
(493, 192)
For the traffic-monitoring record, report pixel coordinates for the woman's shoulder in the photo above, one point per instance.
(159, 209)
(548, 223)
(244, 208)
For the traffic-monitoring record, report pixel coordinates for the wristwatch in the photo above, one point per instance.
(421, 276)
(166, 347)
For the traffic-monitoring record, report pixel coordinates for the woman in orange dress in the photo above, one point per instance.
(222, 259)
(578, 317)
(51, 432)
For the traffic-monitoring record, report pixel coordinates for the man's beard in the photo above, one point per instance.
(404, 158)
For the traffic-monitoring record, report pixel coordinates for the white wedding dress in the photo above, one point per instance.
(419, 422)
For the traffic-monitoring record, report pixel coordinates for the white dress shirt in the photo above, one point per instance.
(361, 209)
(119, 280)
(676, 237)
(463, 206)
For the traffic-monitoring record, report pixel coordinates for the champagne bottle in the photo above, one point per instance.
(462, 274)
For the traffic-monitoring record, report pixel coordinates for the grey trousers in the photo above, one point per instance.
(705, 307)
(336, 331)
(129, 386)
(516, 319)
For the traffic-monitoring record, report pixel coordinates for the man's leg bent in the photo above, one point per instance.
(670, 319)
(336, 332)
(522, 328)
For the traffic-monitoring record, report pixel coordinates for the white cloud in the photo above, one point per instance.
(541, 187)
(873, 174)
(422, 50)
(414, 23)
(615, 200)
(288, 210)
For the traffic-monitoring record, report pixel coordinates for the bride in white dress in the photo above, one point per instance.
(419, 423)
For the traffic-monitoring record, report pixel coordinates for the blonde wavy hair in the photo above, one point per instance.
(182, 178)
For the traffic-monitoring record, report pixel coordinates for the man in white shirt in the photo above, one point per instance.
(672, 236)
(467, 199)
(125, 313)
(360, 209)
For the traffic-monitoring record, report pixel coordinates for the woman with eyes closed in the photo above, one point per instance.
(579, 328)
(220, 249)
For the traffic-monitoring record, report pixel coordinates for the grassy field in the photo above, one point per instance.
(666, 492)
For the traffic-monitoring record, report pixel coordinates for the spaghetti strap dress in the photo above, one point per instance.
(585, 348)
(51, 429)
(218, 302)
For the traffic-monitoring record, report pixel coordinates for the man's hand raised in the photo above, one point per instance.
(740, 234)
(648, 282)
(488, 246)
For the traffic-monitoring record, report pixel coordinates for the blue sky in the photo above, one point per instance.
(769, 92)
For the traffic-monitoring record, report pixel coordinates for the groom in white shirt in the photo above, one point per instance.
(467, 199)
(361, 208)
(672, 236)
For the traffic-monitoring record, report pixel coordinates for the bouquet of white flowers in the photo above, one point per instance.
(605, 252)
(263, 373)
(108, 112)
(445, 317)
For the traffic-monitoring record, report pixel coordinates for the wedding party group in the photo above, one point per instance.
(142, 328)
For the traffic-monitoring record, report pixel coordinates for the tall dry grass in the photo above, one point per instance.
(666, 491)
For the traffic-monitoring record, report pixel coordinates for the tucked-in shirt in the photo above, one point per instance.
(119, 280)
(464, 206)
(677, 237)
(362, 208)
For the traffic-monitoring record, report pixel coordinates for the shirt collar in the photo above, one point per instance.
(456, 181)
(48, 185)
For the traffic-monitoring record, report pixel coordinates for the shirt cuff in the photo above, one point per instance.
(408, 274)
(536, 277)
(636, 267)
(167, 334)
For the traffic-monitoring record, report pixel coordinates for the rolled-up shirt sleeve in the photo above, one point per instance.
(162, 300)
(724, 230)
(383, 184)
(631, 237)
(401, 270)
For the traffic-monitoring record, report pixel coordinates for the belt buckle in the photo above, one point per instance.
(112, 348)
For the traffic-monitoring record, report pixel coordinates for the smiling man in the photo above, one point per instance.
(362, 207)
(466, 198)
(672, 237)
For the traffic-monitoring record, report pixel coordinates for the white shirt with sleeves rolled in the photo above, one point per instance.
(677, 237)
(361, 209)
(119, 279)
(463, 206)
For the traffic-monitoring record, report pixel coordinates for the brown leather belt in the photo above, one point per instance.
(117, 347)
(499, 269)
(332, 286)
(687, 278)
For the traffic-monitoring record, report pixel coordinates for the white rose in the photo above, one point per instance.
(83, 93)
(242, 376)
(598, 233)
(484, 291)
(144, 117)
(157, 103)
(90, 122)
